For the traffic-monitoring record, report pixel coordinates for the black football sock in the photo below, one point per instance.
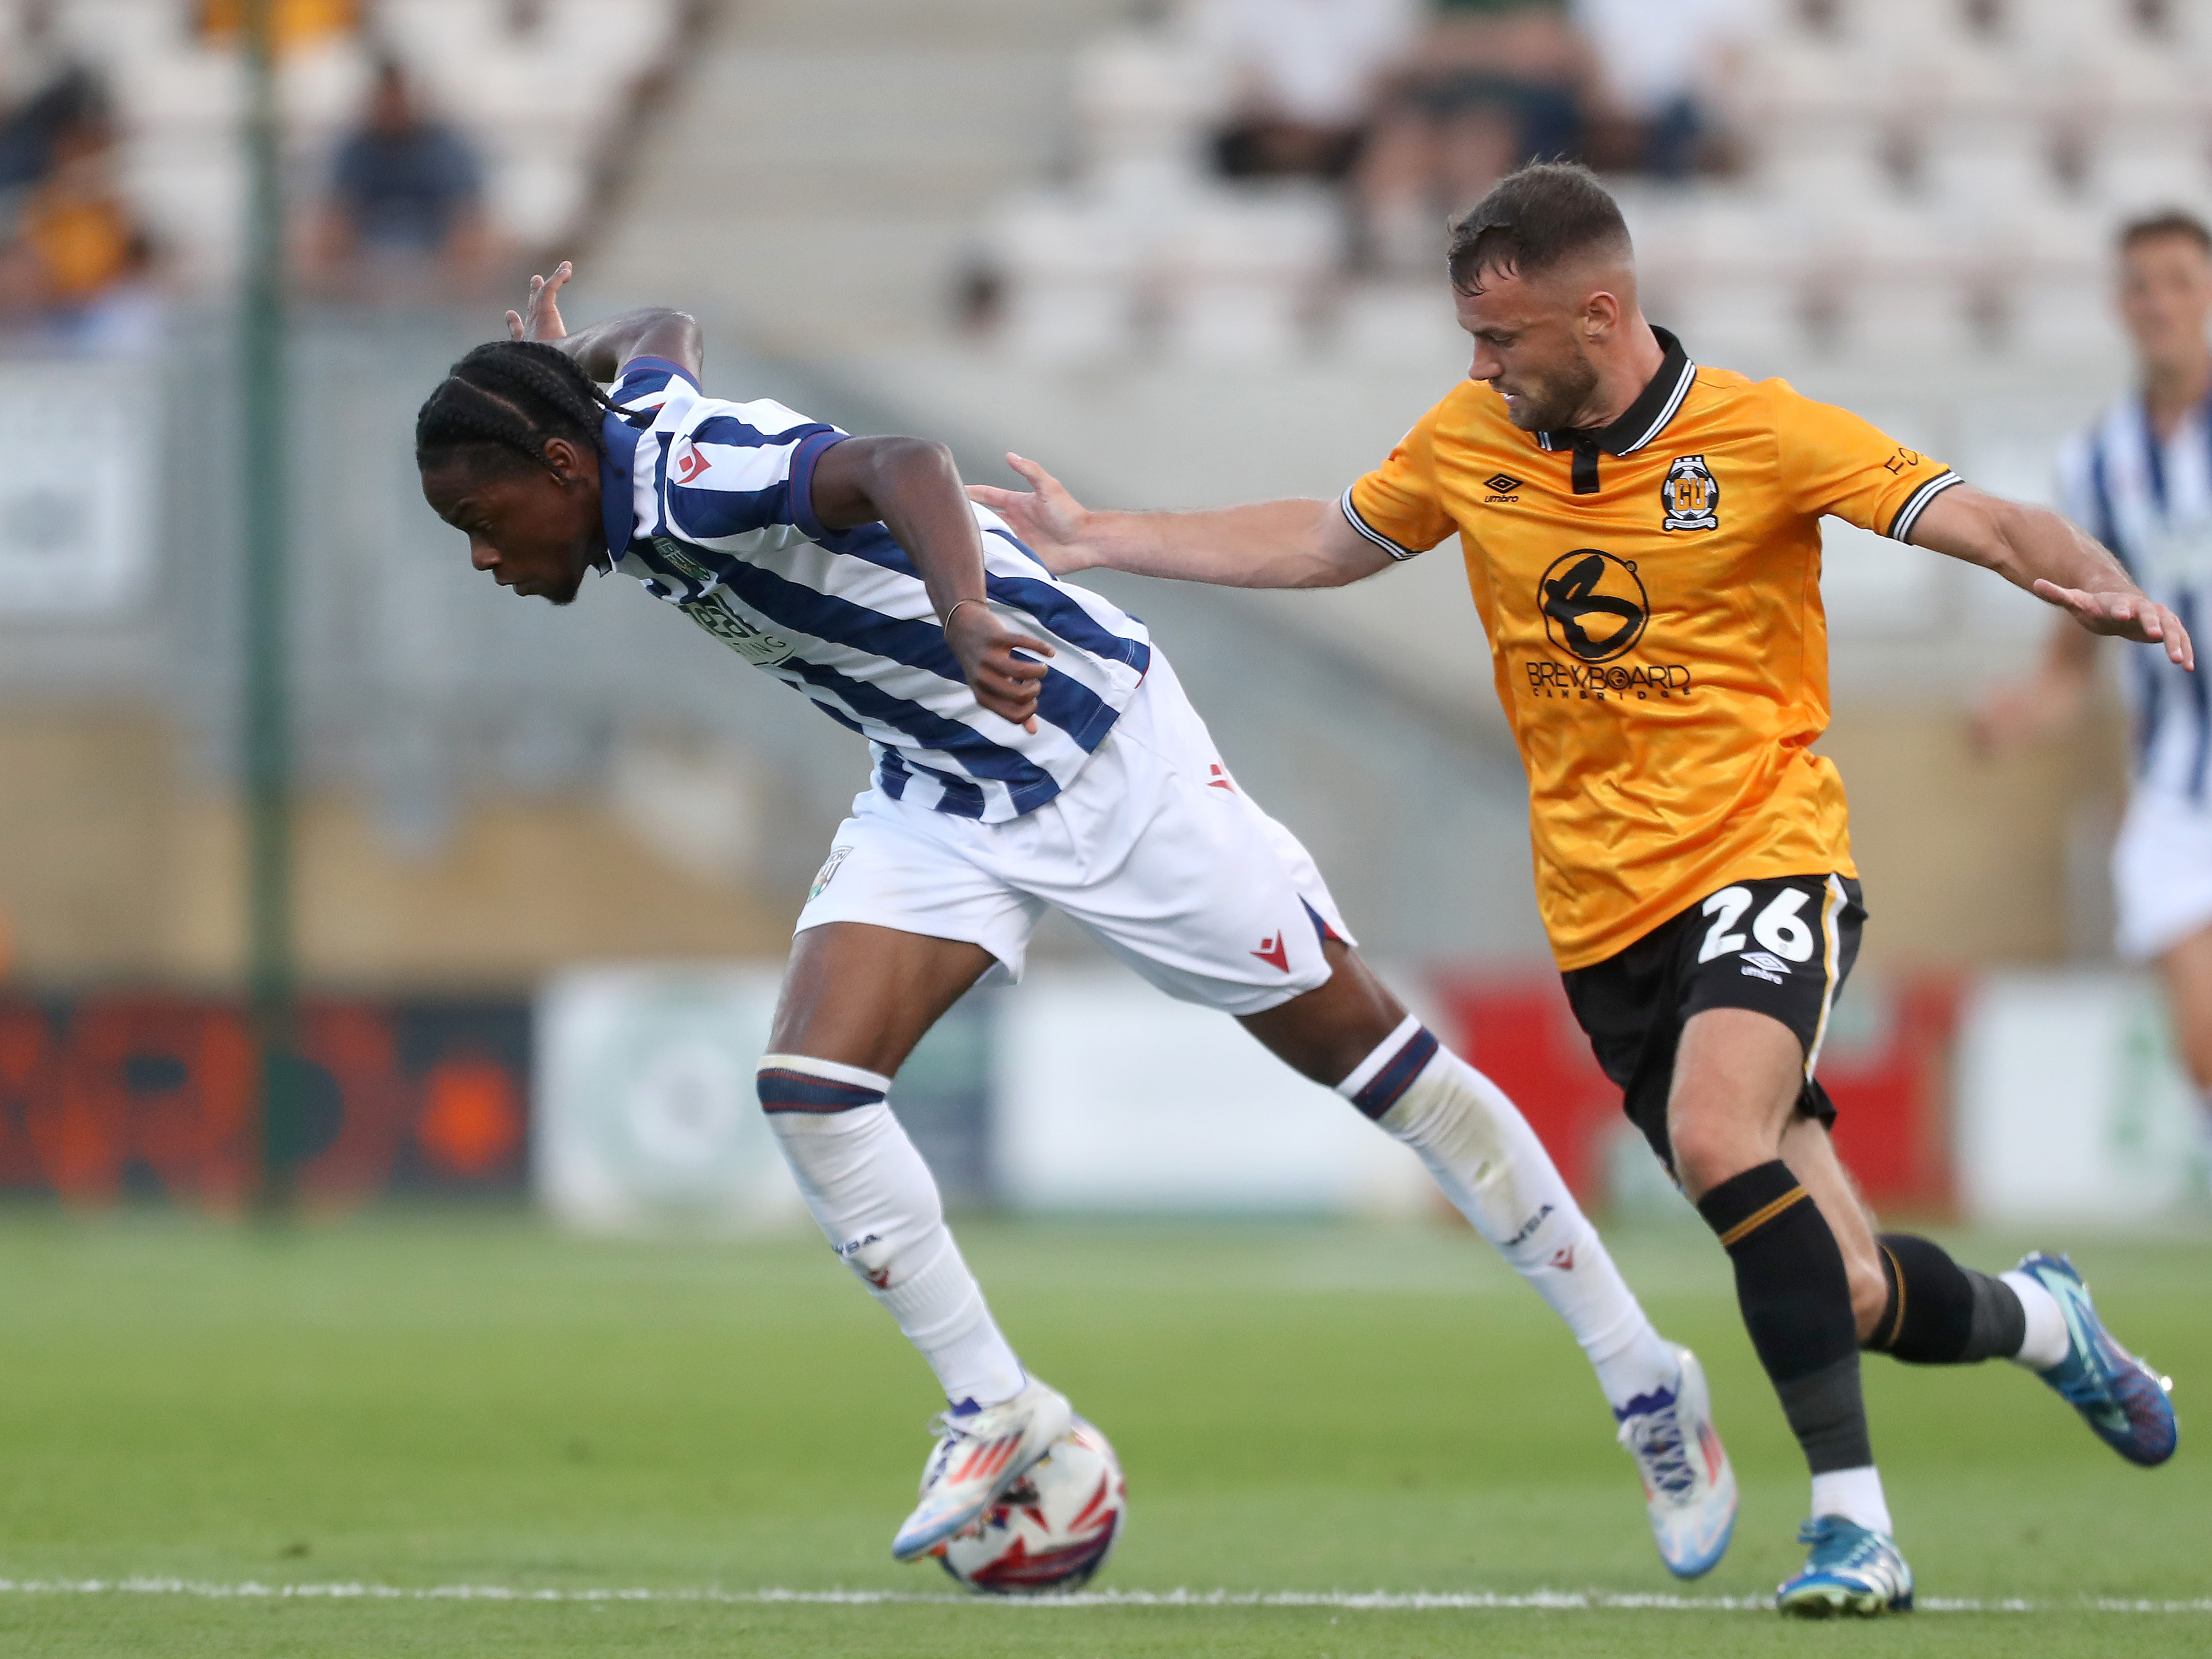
(1797, 1301)
(1942, 1314)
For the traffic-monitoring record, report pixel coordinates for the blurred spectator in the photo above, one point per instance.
(1492, 83)
(405, 213)
(1662, 68)
(74, 259)
(1300, 76)
(293, 23)
(27, 131)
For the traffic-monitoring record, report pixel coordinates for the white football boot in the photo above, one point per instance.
(1689, 1489)
(979, 1454)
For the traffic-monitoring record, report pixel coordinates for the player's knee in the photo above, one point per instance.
(1708, 1151)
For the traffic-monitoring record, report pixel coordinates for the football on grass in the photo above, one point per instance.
(1054, 1528)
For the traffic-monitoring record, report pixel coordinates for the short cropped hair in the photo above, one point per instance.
(2173, 221)
(1534, 220)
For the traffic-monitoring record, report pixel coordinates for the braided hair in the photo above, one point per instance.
(504, 400)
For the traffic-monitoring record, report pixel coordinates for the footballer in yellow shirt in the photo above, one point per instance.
(1652, 595)
(1642, 535)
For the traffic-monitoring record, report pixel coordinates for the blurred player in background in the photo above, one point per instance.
(1033, 749)
(2141, 481)
(1643, 538)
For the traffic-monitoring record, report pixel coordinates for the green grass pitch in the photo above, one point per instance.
(421, 1400)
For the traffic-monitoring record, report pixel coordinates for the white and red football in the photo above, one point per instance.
(1054, 1528)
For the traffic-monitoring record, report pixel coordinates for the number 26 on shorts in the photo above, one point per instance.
(1778, 929)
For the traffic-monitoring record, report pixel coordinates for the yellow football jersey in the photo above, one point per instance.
(1652, 592)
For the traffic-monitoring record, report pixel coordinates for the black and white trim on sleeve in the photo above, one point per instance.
(1900, 527)
(1351, 517)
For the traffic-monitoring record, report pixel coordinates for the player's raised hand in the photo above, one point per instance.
(1004, 682)
(1049, 520)
(2124, 615)
(541, 319)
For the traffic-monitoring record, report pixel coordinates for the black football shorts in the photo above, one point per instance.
(1782, 946)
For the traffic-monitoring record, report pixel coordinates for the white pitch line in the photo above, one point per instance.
(1353, 1601)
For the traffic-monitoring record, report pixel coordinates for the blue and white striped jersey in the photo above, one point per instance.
(2151, 503)
(709, 504)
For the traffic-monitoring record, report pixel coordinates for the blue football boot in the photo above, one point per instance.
(2121, 1399)
(1850, 1571)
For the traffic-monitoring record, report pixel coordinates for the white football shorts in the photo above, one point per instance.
(2162, 872)
(1154, 850)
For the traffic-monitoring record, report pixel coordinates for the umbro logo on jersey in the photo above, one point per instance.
(1690, 496)
(1275, 953)
(1501, 486)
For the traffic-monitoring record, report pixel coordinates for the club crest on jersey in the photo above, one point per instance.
(1690, 496)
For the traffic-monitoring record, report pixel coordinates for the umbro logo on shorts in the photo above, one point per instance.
(1760, 964)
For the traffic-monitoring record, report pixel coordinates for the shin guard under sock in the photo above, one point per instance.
(1490, 1165)
(1796, 1302)
(1942, 1314)
(878, 1203)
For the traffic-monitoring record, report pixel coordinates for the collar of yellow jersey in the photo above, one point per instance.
(1646, 418)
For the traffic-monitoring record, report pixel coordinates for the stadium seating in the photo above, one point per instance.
(537, 89)
(1928, 151)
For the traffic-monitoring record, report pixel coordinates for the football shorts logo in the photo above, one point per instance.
(1275, 952)
(828, 873)
(1690, 496)
(1593, 605)
(1772, 963)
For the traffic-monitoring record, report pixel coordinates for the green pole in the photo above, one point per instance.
(267, 700)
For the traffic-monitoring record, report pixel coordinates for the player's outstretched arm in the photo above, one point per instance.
(602, 348)
(1288, 544)
(2034, 548)
(913, 486)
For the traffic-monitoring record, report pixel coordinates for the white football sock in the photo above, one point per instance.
(878, 1205)
(1496, 1172)
(1855, 1494)
(2047, 1341)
